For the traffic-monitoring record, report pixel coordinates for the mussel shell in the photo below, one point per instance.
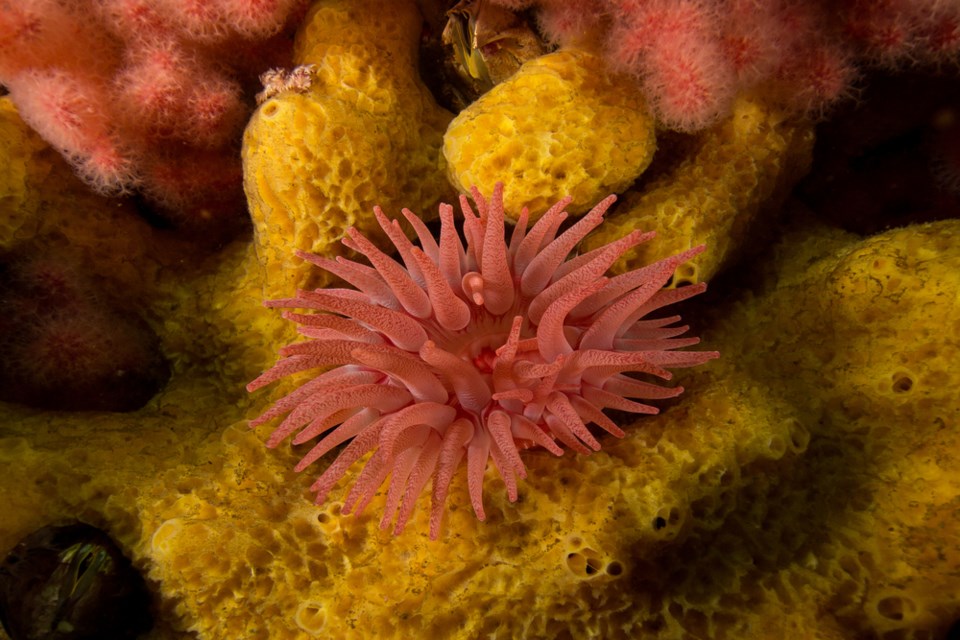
(71, 582)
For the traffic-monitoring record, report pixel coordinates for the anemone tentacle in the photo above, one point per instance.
(451, 353)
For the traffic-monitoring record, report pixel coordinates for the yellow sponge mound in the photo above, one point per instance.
(365, 132)
(860, 335)
(720, 187)
(561, 125)
(800, 487)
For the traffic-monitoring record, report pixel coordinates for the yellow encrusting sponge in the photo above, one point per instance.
(562, 125)
(365, 131)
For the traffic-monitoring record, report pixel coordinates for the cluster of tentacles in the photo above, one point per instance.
(475, 352)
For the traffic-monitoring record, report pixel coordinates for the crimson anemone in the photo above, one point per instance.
(473, 352)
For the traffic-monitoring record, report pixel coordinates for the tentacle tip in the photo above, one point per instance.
(600, 209)
(301, 438)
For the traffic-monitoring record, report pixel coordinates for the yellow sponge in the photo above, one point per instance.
(561, 125)
(789, 494)
(720, 187)
(365, 132)
(861, 335)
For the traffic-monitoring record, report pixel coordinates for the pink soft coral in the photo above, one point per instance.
(693, 56)
(476, 352)
(122, 88)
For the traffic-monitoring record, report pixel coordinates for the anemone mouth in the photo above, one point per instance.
(480, 345)
(479, 342)
(485, 360)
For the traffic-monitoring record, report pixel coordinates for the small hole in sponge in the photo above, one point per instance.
(902, 383)
(614, 568)
(667, 517)
(895, 607)
(685, 274)
(270, 110)
(777, 446)
(585, 563)
(311, 617)
(799, 436)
